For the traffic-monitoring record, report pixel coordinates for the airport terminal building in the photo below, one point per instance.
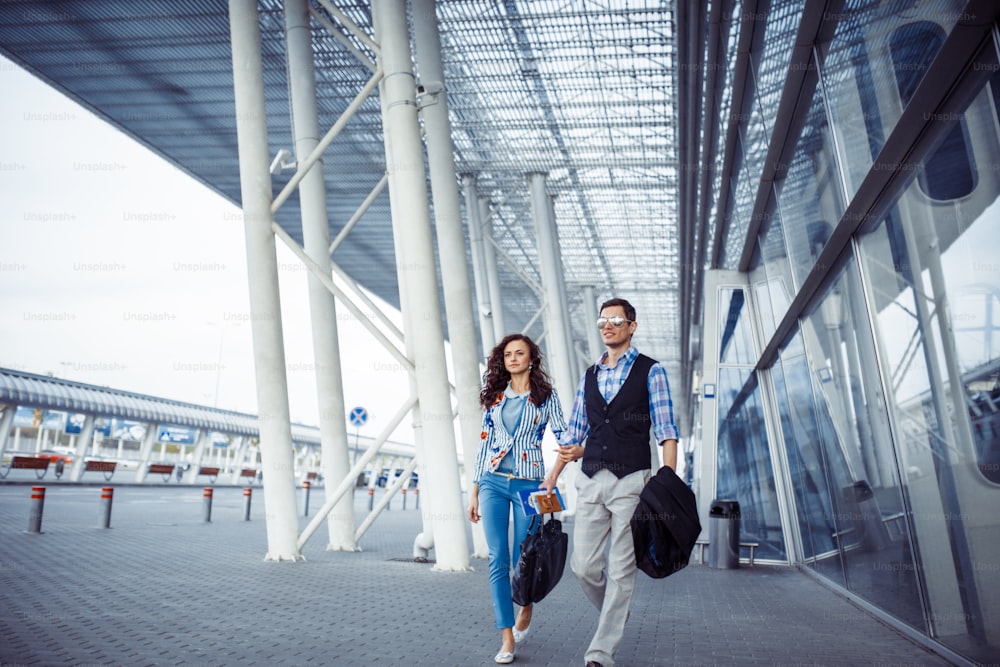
(800, 198)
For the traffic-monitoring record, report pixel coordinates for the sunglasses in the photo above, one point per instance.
(617, 321)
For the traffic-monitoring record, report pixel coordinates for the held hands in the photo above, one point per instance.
(569, 453)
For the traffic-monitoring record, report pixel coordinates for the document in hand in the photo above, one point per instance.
(538, 501)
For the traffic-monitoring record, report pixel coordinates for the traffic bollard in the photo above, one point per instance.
(404, 497)
(247, 495)
(306, 486)
(37, 504)
(416, 497)
(371, 498)
(107, 495)
(208, 503)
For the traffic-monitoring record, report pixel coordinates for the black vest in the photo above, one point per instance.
(619, 431)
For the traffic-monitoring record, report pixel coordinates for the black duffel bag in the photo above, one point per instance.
(542, 561)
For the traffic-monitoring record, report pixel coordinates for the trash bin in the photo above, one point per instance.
(724, 534)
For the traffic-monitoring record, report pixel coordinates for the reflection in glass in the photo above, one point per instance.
(934, 280)
(858, 452)
(736, 346)
(815, 512)
(746, 473)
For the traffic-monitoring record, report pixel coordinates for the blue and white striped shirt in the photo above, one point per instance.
(609, 381)
(524, 444)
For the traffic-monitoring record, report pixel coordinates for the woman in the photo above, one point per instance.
(518, 402)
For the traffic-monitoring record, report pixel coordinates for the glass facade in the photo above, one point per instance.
(860, 432)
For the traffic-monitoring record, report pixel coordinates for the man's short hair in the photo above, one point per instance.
(626, 306)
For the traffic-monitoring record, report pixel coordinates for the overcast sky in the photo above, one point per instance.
(117, 269)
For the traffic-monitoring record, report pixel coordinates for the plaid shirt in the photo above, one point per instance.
(609, 381)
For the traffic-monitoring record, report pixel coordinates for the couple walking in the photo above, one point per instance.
(618, 401)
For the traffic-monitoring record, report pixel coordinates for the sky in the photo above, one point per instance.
(117, 269)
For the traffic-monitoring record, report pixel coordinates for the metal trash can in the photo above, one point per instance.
(724, 534)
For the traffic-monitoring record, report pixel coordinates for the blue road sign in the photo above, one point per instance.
(358, 416)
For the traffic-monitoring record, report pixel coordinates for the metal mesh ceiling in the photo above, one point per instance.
(581, 90)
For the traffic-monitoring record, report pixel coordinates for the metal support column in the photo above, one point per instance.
(316, 241)
(594, 345)
(558, 356)
(451, 242)
(5, 423)
(492, 277)
(146, 450)
(83, 445)
(479, 278)
(262, 267)
(418, 277)
(574, 362)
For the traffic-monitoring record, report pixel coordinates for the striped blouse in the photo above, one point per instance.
(525, 443)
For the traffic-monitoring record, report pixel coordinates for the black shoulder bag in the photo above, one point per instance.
(543, 559)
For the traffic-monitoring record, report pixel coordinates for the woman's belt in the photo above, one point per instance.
(510, 475)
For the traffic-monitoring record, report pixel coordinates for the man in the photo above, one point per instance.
(617, 401)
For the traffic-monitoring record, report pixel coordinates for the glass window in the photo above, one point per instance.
(745, 470)
(857, 451)
(948, 172)
(810, 197)
(860, 73)
(933, 280)
(736, 345)
(814, 511)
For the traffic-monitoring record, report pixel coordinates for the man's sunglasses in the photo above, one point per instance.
(617, 321)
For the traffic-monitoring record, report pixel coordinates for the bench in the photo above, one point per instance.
(211, 472)
(702, 544)
(165, 469)
(37, 463)
(249, 473)
(107, 467)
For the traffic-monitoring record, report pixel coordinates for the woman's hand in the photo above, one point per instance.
(473, 511)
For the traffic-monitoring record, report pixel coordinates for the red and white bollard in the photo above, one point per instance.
(247, 495)
(306, 486)
(207, 495)
(107, 495)
(37, 504)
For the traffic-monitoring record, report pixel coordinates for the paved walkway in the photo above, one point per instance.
(163, 587)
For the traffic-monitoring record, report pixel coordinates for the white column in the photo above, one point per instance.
(322, 307)
(556, 353)
(560, 275)
(5, 423)
(201, 438)
(82, 447)
(146, 450)
(451, 242)
(492, 276)
(262, 266)
(594, 345)
(479, 277)
(418, 277)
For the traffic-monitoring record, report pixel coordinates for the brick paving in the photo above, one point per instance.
(163, 587)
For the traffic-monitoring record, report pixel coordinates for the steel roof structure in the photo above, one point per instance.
(587, 91)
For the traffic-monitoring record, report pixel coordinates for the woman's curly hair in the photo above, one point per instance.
(497, 377)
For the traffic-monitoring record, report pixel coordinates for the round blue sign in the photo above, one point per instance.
(358, 416)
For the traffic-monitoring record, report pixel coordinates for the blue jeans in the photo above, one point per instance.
(497, 496)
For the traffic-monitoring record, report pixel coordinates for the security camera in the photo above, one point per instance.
(430, 88)
(280, 162)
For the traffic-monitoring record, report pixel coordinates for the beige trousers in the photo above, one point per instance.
(604, 507)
